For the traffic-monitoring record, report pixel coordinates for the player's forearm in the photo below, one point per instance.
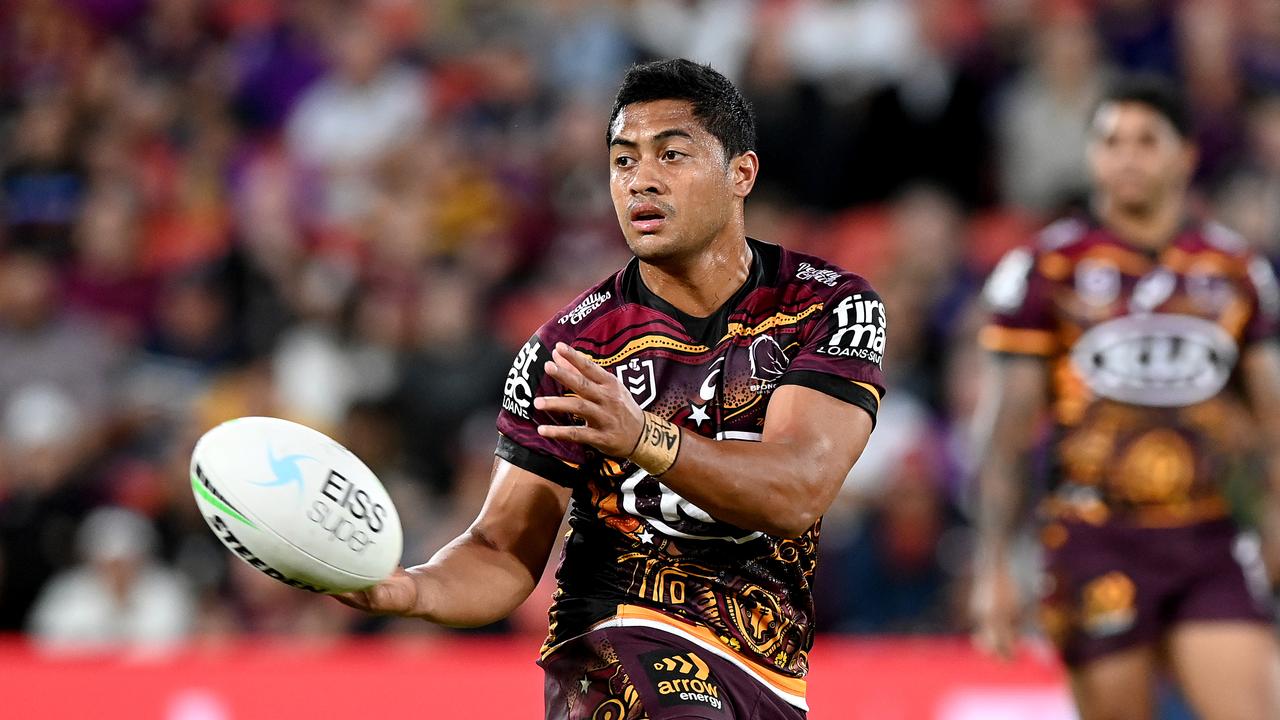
(1269, 517)
(1011, 402)
(1000, 503)
(1261, 370)
(470, 582)
(767, 486)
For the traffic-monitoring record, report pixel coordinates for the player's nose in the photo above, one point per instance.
(647, 179)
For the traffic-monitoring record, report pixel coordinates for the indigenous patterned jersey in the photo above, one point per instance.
(638, 554)
(1143, 349)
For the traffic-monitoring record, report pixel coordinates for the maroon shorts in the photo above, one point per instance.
(644, 674)
(1110, 588)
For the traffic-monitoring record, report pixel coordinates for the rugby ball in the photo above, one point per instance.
(296, 505)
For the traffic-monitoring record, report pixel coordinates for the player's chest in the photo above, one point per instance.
(1159, 334)
(720, 392)
(1095, 291)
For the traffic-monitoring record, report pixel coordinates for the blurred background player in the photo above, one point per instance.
(1153, 334)
(701, 407)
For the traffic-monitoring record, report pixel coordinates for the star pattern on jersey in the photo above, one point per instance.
(585, 683)
(645, 536)
(698, 414)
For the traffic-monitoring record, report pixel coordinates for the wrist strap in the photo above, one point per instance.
(658, 446)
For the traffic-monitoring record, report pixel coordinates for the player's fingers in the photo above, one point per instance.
(997, 638)
(567, 375)
(570, 405)
(584, 364)
(357, 600)
(1003, 644)
(984, 638)
(569, 433)
(981, 641)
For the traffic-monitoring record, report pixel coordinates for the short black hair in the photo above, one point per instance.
(1156, 92)
(716, 102)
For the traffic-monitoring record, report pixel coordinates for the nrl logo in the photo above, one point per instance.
(637, 376)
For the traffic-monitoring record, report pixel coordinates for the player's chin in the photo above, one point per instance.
(1136, 201)
(653, 247)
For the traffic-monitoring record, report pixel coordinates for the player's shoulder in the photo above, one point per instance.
(1222, 239)
(1063, 234)
(802, 273)
(580, 313)
(1061, 239)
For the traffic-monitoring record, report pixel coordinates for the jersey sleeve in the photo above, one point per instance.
(518, 440)
(1264, 322)
(1022, 320)
(843, 349)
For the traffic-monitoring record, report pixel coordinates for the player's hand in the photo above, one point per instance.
(397, 595)
(997, 611)
(613, 419)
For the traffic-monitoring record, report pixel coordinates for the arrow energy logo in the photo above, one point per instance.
(683, 679)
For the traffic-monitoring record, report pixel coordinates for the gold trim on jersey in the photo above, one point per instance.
(778, 319)
(1055, 266)
(1014, 340)
(644, 342)
(1235, 318)
(743, 407)
(1183, 262)
(869, 388)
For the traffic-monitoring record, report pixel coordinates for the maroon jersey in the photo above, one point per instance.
(1144, 349)
(639, 555)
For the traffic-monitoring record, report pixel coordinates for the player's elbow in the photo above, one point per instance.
(792, 528)
(794, 521)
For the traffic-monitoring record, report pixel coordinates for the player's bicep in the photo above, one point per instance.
(1260, 370)
(826, 433)
(1012, 396)
(521, 515)
(1022, 318)
(519, 441)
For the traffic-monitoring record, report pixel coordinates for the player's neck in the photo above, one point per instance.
(701, 285)
(1152, 229)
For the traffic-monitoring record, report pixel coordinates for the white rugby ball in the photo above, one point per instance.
(296, 505)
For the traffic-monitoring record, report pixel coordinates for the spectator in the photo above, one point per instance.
(349, 120)
(118, 598)
(43, 184)
(1043, 118)
(42, 343)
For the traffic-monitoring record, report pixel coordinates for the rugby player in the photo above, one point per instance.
(1152, 333)
(696, 414)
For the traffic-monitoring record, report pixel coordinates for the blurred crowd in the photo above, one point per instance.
(352, 214)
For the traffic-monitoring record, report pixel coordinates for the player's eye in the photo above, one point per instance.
(672, 155)
(623, 161)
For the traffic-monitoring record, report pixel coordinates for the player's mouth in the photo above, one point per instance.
(647, 217)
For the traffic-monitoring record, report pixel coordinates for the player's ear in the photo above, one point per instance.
(744, 168)
(1190, 157)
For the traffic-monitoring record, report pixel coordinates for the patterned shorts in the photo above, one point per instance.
(644, 674)
(1111, 588)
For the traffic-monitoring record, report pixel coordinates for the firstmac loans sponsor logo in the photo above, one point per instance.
(859, 331)
(585, 308)
(517, 393)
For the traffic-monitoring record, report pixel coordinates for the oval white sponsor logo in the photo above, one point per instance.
(1159, 360)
